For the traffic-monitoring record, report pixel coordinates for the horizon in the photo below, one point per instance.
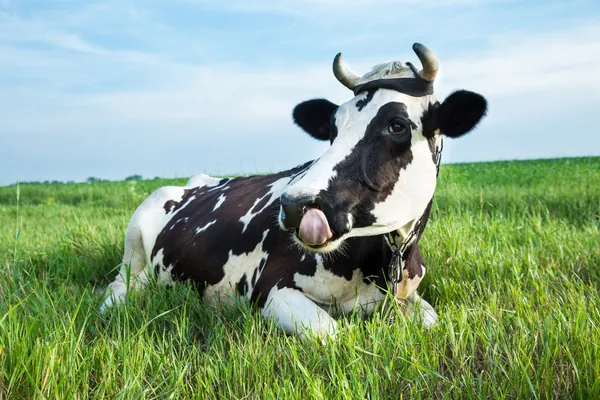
(139, 177)
(113, 89)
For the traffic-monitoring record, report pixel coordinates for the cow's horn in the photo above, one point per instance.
(343, 74)
(429, 61)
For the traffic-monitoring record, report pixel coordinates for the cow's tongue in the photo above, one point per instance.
(314, 229)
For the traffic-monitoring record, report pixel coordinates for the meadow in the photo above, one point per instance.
(513, 253)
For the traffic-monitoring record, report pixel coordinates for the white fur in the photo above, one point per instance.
(205, 227)
(393, 69)
(220, 201)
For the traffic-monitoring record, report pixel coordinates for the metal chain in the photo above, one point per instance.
(397, 262)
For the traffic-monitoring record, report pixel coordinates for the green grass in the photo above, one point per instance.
(513, 250)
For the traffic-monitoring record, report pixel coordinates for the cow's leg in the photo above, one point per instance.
(134, 272)
(295, 313)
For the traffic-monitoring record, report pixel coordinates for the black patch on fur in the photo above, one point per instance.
(170, 206)
(360, 104)
(368, 174)
(314, 117)
(242, 286)
(413, 260)
(429, 120)
(429, 124)
(416, 87)
(255, 273)
(333, 131)
(432, 147)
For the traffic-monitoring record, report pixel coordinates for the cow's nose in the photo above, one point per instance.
(293, 209)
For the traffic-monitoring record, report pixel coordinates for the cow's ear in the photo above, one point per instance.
(460, 112)
(314, 117)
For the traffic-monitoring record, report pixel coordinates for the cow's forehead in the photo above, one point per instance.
(363, 107)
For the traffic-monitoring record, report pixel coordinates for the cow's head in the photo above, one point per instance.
(379, 173)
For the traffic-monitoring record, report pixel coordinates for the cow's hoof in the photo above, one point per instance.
(420, 311)
(324, 333)
(110, 301)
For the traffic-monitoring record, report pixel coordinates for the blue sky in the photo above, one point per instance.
(114, 88)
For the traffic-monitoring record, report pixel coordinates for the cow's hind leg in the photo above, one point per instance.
(295, 313)
(133, 273)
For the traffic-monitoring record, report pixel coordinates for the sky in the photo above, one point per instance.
(176, 88)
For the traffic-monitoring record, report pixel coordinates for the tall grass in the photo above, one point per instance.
(513, 250)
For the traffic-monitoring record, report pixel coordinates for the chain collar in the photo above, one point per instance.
(394, 273)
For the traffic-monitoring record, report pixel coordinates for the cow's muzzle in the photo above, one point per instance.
(304, 215)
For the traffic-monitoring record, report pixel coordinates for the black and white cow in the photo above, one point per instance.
(319, 236)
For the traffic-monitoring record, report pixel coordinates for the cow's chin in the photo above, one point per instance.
(329, 246)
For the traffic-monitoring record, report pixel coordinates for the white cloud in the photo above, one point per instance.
(563, 60)
(75, 43)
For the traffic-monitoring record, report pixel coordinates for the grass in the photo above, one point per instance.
(514, 256)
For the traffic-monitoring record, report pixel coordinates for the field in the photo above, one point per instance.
(513, 250)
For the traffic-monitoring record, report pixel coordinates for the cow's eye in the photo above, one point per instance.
(397, 128)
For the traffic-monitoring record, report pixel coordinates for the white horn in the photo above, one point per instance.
(429, 61)
(343, 74)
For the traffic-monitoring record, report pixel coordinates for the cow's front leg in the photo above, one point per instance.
(295, 313)
(415, 308)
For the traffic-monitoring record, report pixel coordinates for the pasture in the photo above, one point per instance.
(513, 250)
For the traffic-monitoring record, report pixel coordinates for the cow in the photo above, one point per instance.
(332, 236)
